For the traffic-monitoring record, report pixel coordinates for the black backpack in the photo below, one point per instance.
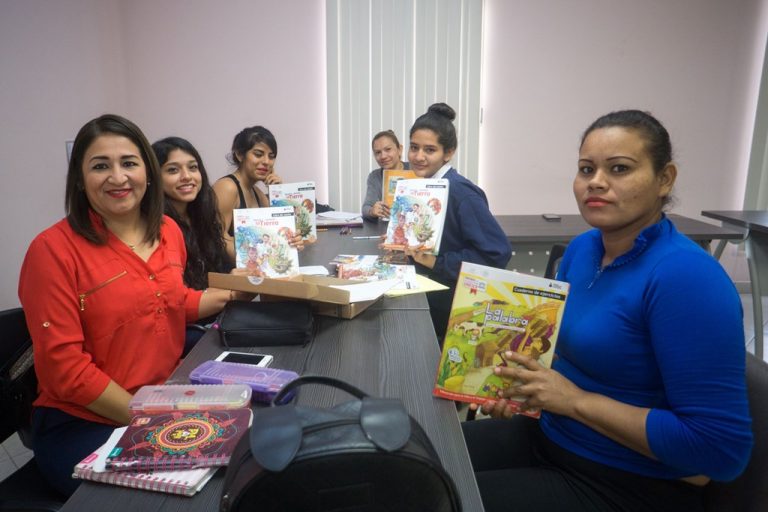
(364, 455)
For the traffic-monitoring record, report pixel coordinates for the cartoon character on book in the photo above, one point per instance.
(534, 342)
(398, 235)
(254, 260)
(278, 258)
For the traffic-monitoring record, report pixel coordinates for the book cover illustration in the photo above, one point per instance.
(371, 267)
(301, 196)
(390, 177)
(494, 311)
(176, 440)
(262, 237)
(184, 482)
(417, 215)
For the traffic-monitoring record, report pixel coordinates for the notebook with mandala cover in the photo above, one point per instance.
(179, 440)
(184, 482)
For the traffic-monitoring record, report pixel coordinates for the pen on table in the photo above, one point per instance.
(365, 237)
(322, 229)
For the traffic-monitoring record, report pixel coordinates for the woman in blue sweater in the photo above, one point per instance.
(470, 232)
(646, 401)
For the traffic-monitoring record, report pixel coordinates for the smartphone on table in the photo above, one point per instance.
(261, 360)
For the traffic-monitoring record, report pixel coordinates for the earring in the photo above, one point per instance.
(149, 183)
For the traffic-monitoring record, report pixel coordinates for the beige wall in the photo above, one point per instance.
(552, 67)
(203, 69)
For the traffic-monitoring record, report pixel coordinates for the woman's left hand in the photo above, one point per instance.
(273, 179)
(543, 388)
(422, 258)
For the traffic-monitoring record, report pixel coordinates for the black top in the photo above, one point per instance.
(231, 229)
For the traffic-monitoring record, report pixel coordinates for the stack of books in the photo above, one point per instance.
(178, 437)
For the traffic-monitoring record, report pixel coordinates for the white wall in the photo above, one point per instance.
(59, 66)
(204, 69)
(200, 69)
(552, 67)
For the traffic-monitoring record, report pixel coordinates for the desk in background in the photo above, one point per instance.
(532, 236)
(388, 350)
(755, 222)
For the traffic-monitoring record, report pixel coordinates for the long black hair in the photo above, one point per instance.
(203, 233)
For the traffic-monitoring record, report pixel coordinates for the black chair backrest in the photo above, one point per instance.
(555, 254)
(749, 492)
(14, 333)
(18, 383)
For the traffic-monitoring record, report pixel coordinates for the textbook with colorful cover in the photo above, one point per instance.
(184, 482)
(417, 215)
(371, 267)
(390, 177)
(262, 238)
(179, 440)
(301, 196)
(495, 311)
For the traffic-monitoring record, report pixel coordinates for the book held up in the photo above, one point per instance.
(390, 177)
(262, 237)
(301, 197)
(495, 311)
(417, 215)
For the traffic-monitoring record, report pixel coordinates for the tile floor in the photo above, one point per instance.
(13, 454)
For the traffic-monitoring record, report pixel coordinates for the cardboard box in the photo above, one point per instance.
(325, 300)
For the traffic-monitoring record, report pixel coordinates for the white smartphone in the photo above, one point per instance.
(261, 360)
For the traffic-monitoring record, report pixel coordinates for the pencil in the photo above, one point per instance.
(365, 237)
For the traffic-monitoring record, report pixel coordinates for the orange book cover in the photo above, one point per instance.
(389, 183)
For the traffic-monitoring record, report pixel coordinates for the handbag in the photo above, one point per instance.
(261, 324)
(366, 454)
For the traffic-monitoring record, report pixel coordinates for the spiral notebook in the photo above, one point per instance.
(184, 482)
(179, 440)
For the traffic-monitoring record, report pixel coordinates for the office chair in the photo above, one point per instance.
(555, 255)
(25, 490)
(749, 492)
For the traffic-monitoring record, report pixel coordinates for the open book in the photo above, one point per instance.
(179, 440)
(495, 311)
(371, 267)
(185, 482)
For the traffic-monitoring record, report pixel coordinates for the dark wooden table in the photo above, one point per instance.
(388, 350)
(755, 223)
(532, 236)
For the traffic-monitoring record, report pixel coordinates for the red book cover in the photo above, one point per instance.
(178, 440)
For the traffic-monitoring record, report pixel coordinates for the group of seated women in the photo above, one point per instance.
(645, 403)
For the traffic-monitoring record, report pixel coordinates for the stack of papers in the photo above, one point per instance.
(339, 219)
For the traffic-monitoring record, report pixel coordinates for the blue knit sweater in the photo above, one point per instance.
(661, 327)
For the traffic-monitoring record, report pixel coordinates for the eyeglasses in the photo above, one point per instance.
(345, 230)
